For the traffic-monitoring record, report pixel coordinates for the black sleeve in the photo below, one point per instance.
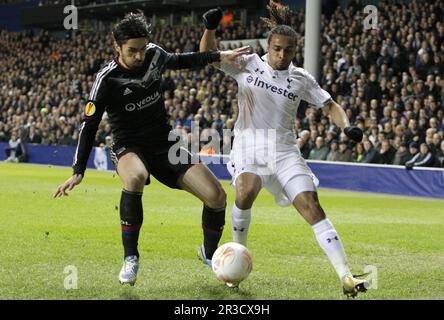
(191, 60)
(94, 110)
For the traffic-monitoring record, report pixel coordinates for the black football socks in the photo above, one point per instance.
(213, 221)
(131, 218)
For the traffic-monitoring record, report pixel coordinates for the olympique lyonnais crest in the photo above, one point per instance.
(90, 109)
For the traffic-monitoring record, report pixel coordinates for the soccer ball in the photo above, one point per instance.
(232, 263)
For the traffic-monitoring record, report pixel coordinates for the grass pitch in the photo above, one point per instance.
(400, 239)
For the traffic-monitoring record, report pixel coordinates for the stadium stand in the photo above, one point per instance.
(389, 81)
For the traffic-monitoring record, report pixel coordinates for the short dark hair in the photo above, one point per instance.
(133, 25)
(282, 30)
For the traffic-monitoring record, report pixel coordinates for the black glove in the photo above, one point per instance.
(354, 133)
(409, 166)
(212, 18)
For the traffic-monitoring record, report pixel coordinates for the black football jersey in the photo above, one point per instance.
(133, 101)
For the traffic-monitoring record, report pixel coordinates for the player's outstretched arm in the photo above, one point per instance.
(337, 115)
(188, 60)
(68, 185)
(208, 42)
(231, 56)
(339, 118)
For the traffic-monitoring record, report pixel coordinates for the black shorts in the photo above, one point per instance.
(156, 162)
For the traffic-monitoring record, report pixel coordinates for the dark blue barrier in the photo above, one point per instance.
(54, 155)
(422, 182)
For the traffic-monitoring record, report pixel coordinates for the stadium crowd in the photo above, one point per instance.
(388, 80)
(66, 2)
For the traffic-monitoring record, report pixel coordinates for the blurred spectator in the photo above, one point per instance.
(4, 137)
(332, 154)
(370, 154)
(386, 152)
(100, 157)
(372, 89)
(424, 158)
(303, 143)
(440, 156)
(320, 151)
(412, 131)
(402, 155)
(32, 136)
(66, 138)
(358, 153)
(345, 154)
(413, 149)
(15, 152)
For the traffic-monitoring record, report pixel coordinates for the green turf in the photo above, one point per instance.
(39, 236)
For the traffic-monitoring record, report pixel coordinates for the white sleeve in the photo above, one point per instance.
(232, 70)
(313, 92)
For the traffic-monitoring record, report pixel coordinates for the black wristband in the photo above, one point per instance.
(77, 170)
(214, 56)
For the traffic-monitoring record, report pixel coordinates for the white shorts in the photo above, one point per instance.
(288, 176)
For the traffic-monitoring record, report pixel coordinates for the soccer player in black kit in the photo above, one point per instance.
(128, 89)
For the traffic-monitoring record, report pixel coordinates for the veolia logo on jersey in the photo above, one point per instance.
(130, 107)
(148, 101)
(262, 84)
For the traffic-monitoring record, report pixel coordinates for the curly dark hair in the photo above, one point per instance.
(133, 25)
(279, 15)
(279, 21)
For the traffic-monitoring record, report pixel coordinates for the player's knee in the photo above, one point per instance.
(217, 197)
(245, 198)
(315, 211)
(308, 205)
(318, 215)
(135, 181)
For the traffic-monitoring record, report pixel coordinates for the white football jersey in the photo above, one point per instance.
(269, 99)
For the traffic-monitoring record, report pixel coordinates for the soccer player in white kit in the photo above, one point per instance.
(265, 153)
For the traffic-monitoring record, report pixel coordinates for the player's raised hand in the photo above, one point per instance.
(354, 133)
(230, 56)
(212, 18)
(68, 185)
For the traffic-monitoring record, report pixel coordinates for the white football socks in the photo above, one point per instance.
(330, 242)
(240, 221)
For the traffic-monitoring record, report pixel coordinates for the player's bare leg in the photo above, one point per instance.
(201, 182)
(133, 174)
(248, 186)
(307, 203)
